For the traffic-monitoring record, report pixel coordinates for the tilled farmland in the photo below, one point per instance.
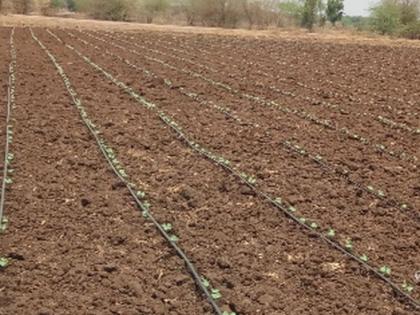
(173, 173)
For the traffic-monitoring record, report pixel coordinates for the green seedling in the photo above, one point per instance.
(228, 313)
(140, 194)
(167, 227)
(205, 282)
(4, 262)
(381, 193)
(331, 233)
(370, 188)
(314, 225)
(174, 238)
(278, 200)
(215, 294)
(123, 173)
(404, 206)
(302, 220)
(385, 270)
(9, 180)
(292, 209)
(3, 224)
(349, 245)
(364, 258)
(252, 180)
(407, 287)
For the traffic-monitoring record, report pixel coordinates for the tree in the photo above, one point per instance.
(409, 11)
(22, 6)
(153, 7)
(385, 17)
(335, 10)
(292, 9)
(309, 14)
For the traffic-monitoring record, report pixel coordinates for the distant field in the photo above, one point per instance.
(201, 171)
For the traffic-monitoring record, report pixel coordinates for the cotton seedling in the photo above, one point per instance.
(215, 294)
(4, 262)
(228, 313)
(205, 282)
(3, 224)
(140, 194)
(167, 227)
(174, 238)
(407, 287)
(314, 226)
(385, 270)
(364, 258)
(349, 244)
(331, 233)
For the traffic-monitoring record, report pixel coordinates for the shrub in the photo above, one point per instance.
(411, 31)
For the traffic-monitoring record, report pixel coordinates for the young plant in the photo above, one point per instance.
(349, 245)
(3, 224)
(385, 270)
(331, 233)
(364, 258)
(407, 287)
(174, 238)
(4, 262)
(205, 282)
(215, 294)
(167, 227)
(314, 226)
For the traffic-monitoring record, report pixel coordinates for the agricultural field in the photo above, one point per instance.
(159, 172)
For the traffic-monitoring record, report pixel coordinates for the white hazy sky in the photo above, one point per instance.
(357, 7)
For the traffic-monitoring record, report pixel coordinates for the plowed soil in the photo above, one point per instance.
(78, 244)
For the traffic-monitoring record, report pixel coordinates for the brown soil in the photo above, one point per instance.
(79, 238)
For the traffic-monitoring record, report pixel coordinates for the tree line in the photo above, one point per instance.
(221, 13)
(393, 17)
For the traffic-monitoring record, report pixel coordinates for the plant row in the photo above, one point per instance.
(328, 235)
(379, 148)
(318, 159)
(139, 196)
(168, 83)
(335, 169)
(328, 92)
(195, 96)
(8, 155)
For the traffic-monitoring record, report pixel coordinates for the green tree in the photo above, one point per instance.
(385, 17)
(309, 14)
(335, 10)
(153, 7)
(292, 9)
(409, 11)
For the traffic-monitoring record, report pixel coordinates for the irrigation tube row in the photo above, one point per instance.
(194, 96)
(247, 180)
(384, 121)
(405, 127)
(270, 103)
(301, 151)
(334, 169)
(119, 171)
(8, 156)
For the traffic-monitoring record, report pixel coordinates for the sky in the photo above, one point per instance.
(357, 7)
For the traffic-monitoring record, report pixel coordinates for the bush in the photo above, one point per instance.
(385, 17)
(411, 31)
(114, 10)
